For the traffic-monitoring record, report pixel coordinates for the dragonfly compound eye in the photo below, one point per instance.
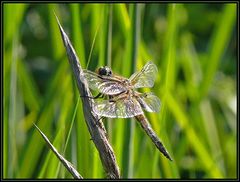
(101, 71)
(105, 71)
(109, 72)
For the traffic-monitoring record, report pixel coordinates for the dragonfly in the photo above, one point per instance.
(123, 99)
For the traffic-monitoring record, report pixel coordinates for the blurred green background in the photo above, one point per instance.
(194, 47)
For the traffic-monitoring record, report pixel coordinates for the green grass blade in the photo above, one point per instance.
(123, 18)
(77, 33)
(13, 17)
(169, 83)
(55, 37)
(212, 132)
(196, 143)
(219, 42)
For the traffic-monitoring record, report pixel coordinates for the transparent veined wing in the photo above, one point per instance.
(118, 108)
(104, 84)
(149, 102)
(145, 77)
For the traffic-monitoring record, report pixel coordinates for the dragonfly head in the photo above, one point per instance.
(104, 71)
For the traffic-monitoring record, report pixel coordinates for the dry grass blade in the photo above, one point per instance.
(66, 163)
(97, 131)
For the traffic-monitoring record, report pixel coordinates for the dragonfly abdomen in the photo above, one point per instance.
(148, 129)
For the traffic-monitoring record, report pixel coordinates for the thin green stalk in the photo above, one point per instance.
(69, 133)
(93, 43)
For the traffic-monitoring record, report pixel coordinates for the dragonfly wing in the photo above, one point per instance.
(104, 84)
(145, 77)
(149, 102)
(118, 108)
(92, 78)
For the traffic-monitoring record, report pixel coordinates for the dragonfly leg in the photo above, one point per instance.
(100, 95)
(100, 124)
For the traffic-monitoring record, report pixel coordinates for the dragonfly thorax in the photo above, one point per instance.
(127, 84)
